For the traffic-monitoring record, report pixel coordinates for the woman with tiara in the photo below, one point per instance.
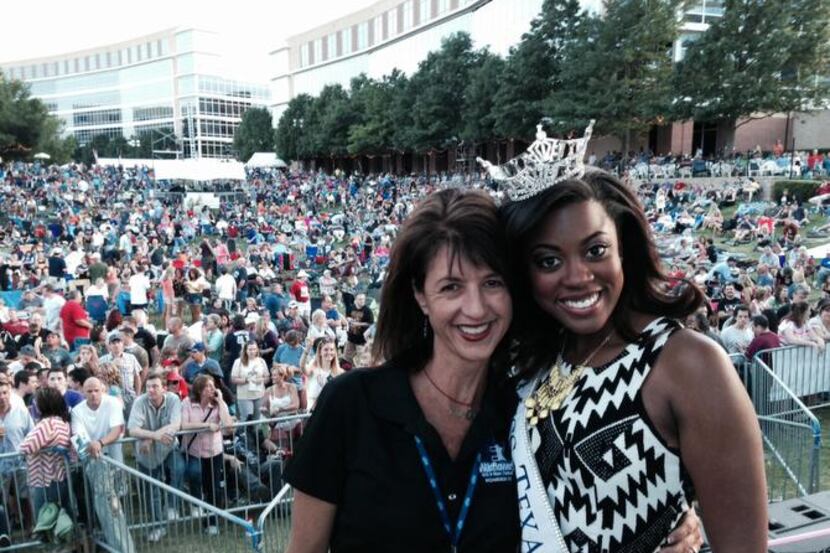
(625, 417)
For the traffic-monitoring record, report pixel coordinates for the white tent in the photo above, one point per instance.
(266, 159)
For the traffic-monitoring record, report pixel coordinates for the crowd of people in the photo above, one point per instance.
(126, 313)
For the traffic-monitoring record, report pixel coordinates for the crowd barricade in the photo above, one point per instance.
(274, 523)
(20, 504)
(196, 524)
(791, 432)
(124, 507)
(804, 370)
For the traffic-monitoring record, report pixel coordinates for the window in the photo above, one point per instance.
(138, 52)
(318, 50)
(363, 36)
(407, 15)
(304, 55)
(149, 49)
(423, 11)
(443, 7)
(377, 37)
(129, 55)
(346, 40)
(392, 22)
(331, 46)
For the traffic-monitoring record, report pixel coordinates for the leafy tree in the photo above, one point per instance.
(377, 102)
(290, 128)
(254, 134)
(330, 117)
(52, 142)
(479, 114)
(534, 68)
(618, 70)
(24, 120)
(440, 82)
(760, 58)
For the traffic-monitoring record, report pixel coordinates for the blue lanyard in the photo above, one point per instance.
(455, 537)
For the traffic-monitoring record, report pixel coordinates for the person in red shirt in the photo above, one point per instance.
(76, 323)
(764, 338)
(299, 291)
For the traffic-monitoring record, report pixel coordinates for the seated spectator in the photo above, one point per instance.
(46, 467)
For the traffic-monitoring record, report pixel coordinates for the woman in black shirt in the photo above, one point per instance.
(413, 455)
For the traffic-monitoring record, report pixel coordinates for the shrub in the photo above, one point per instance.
(802, 190)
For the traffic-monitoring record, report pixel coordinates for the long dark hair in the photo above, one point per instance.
(467, 223)
(646, 288)
(50, 403)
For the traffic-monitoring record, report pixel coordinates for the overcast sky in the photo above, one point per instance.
(33, 28)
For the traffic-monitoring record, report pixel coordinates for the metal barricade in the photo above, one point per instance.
(127, 521)
(274, 523)
(254, 456)
(790, 431)
(804, 370)
(20, 503)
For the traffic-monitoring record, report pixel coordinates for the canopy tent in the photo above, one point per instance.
(266, 159)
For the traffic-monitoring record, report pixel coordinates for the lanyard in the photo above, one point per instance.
(455, 537)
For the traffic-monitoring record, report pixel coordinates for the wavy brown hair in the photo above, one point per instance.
(646, 288)
(467, 223)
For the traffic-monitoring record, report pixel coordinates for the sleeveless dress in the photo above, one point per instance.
(612, 483)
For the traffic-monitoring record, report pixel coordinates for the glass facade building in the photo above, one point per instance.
(162, 84)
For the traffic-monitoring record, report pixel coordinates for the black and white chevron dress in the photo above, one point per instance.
(615, 486)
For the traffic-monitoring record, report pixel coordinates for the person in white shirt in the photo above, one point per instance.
(98, 422)
(225, 287)
(52, 305)
(127, 365)
(73, 260)
(139, 285)
(250, 374)
(737, 336)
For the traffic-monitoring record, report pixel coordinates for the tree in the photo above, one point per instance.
(254, 134)
(479, 113)
(24, 121)
(329, 120)
(52, 142)
(618, 70)
(440, 82)
(378, 102)
(534, 69)
(290, 136)
(760, 58)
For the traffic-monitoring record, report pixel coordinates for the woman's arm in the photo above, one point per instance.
(311, 524)
(236, 373)
(295, 398)
(712, 413)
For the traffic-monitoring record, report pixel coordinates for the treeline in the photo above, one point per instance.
(617, 67)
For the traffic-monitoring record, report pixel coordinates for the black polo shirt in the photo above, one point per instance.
(358, 452)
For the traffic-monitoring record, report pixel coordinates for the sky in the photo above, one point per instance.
(34, 28)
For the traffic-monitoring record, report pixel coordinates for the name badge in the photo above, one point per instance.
(495, 465)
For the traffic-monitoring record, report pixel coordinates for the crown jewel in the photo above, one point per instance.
(546, 162)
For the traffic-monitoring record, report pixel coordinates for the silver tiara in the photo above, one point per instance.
(546, 162)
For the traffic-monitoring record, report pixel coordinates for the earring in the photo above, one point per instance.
(426, 326)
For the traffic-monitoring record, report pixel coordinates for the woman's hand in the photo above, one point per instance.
(687, 537)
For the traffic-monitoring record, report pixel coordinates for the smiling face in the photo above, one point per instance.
(469, 309)
(575, 267)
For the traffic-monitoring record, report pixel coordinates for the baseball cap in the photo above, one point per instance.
(114, 338)
(302, 274)
(27, 350)
(292, 304)
(198, 346)
(251, 318)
